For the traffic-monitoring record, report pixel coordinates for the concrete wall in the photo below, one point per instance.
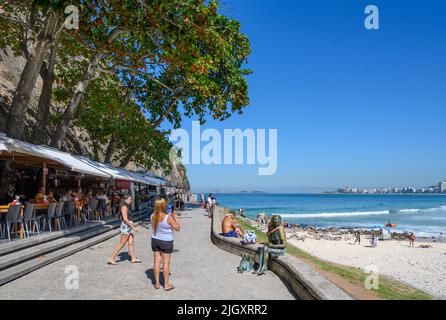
(303, 281)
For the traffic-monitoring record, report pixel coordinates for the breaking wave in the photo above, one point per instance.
(336, 214)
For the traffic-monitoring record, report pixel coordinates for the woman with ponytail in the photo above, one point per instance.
(164, 223)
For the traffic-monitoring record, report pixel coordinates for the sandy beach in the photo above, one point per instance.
(424, 268)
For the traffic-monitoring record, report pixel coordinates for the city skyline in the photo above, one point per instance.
(435, 188)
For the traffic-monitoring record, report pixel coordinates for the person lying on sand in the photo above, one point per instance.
(425, 246)
(230, 227)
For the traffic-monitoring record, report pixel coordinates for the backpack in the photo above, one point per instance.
(249, 237)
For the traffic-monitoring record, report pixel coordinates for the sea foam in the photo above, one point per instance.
(335, 214)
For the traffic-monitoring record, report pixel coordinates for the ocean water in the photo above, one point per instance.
(425, 215)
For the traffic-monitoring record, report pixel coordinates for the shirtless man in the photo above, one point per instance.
(230, 228)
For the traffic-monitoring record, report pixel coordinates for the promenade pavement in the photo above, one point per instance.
(199, 270)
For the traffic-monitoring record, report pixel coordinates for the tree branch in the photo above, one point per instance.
(166, 113)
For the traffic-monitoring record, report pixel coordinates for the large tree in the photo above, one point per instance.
(134, 70)
(182, 43)
(115, 125)
(47, 17)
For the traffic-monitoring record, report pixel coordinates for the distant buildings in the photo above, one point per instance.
(440, 188)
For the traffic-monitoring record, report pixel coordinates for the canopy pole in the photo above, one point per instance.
(44, 177)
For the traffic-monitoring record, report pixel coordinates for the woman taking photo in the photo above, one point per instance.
(127, 229)
(164, 225)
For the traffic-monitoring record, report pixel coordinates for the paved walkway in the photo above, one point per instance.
(199, 269)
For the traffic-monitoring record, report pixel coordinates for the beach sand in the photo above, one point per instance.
(422, 268)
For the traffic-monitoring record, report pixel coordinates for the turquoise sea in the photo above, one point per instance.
(425, 215)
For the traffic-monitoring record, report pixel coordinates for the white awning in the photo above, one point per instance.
(145, 178)
(114, 172)
(155, 180)
(23, 152)
(122, 173)
(30, 154)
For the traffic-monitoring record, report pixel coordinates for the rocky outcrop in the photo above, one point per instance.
(76, 140)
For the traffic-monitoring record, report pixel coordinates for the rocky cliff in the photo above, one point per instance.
(10, 70)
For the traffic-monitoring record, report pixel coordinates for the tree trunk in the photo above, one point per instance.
(95, 152)
(79, 92)
(73, 105)
(45, 98)
(17, 114)
(128, 157)
(110, 149)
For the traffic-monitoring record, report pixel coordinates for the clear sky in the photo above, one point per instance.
(353, 107)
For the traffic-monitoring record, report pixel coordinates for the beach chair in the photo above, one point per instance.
(12, 217)
(29, 217)
(91, 210)
(50, 215)
(60, 218)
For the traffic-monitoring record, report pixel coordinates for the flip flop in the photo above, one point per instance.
(157, 287)
(171, 288)
(111, 263)
(137, 261)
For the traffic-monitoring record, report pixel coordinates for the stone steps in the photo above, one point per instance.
(21, 244)
(43, 260)
(23, 261)
(20, 256)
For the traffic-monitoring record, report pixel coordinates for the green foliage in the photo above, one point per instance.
(172, 60)
(107, 111)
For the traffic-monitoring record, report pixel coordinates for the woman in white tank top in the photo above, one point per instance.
(163, 225)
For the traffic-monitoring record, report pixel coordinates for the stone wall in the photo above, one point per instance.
(303, 281)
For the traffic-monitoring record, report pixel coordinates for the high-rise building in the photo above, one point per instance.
(442, 186)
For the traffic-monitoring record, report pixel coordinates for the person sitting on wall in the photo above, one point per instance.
(275, 246)
(230, 228)
(40, 196)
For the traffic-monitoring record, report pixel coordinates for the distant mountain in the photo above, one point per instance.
(261, 192)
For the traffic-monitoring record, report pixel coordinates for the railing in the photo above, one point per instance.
(170, 199)
(146, 207)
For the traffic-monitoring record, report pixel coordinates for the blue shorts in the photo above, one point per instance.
(232, 234)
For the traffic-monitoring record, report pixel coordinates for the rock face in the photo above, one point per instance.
(75, 142)
(178, 175)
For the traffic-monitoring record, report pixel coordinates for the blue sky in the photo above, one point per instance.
(353, 107)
